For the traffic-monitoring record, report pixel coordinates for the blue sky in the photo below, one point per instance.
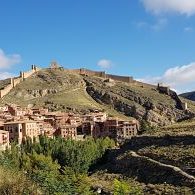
(151, 40)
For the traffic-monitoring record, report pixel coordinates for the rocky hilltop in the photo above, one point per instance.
(58, 89)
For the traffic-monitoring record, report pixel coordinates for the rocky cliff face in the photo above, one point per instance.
(136, 100)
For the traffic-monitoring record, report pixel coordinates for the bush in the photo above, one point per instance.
(16, 183)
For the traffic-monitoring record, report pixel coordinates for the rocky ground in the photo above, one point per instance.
(157, 164)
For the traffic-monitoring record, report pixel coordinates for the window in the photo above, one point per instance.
(16, 129)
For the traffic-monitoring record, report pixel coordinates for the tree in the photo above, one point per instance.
(124, 188)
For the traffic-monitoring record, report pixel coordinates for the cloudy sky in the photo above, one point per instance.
(151, 40)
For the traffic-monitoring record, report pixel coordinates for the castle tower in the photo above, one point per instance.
(54, 65)
(22, 75)
(33, 67)
(12, 81)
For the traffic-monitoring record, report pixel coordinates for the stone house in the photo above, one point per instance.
(67, 131)
(40, 111)
(95, 117)
(19, 130)
(46, 128)
(17, 111)
(120, 130)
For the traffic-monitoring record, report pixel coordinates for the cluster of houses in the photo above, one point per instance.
(17, 123)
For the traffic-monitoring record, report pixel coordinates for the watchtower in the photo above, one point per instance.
(54, 65)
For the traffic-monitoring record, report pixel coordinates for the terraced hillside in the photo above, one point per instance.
(61, 90)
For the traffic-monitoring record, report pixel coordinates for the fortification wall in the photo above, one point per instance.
(76, 71)
(92, 73)
(28, 73)
(126, 79)
(88, 72)
(6, 90)
(17, 80)
(36, 68)
(102, 74)
(166, 90)
(163, 89)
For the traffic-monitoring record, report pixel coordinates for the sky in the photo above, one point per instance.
(151, 40)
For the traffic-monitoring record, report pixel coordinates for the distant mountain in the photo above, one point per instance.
(189, 95)
(72, 92)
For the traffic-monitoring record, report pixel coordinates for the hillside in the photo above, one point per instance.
(51, 88)
(189, 95)
(139, 100)
(57, 89)
(159, 162)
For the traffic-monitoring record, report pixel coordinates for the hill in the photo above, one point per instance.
(159, 162)
(58, 89)
(189, 95)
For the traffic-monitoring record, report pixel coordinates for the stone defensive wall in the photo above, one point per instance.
(16, 80)
(101, 74)
(83, 71)
(6, 89)
(126, 79)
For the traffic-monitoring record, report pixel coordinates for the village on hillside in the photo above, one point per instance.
(17, 124)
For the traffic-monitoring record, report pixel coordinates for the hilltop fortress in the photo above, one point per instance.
(23, 75)
(16, 80)
(86, 72)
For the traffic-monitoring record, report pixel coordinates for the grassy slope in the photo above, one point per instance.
(181, 128)
(70, 93)
(70, 90)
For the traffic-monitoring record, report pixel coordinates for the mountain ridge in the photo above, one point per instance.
(189, 95)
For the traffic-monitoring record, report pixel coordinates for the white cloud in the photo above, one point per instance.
(186, 7)
(180, 78)
(104, 63)
(8, 60)
(5, 75)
